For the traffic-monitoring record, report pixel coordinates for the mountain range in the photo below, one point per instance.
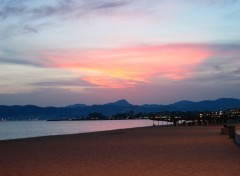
(79, 111)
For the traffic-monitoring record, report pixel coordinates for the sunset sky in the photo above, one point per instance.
(61, 52)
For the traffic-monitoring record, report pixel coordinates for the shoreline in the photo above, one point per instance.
(71, 134)
(159, 150)
(29, 129)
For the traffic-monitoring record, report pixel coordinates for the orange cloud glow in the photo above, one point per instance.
(124, 67)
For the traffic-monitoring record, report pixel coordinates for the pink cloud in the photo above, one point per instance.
(124, 67)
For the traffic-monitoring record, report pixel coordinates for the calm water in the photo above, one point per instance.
(25, 129)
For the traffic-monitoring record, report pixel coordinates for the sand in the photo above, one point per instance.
(149, 151)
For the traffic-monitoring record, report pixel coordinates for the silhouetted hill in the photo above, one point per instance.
(207, 105)
(79, 111)
(182, 104)
(76, 106)
(119, 103)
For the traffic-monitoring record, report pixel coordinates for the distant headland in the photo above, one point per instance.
(120, 109)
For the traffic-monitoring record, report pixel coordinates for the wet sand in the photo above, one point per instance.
(150, 151)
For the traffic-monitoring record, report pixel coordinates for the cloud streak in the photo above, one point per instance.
(19, 62)
(23, 17)
(125, 67)
(12, 57)
(28, 16)
(11, 8)
(59, 8)
(64, 83)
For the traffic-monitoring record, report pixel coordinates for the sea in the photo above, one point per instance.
(28, 129)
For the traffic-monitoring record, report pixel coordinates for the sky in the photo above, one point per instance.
(61, 52)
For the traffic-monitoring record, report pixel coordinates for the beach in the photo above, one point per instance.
(146, 151)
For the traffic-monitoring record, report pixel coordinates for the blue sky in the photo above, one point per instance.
(60, 52)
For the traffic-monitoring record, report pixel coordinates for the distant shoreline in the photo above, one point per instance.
(26, 129)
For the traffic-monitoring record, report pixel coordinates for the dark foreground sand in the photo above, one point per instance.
(151, 151)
